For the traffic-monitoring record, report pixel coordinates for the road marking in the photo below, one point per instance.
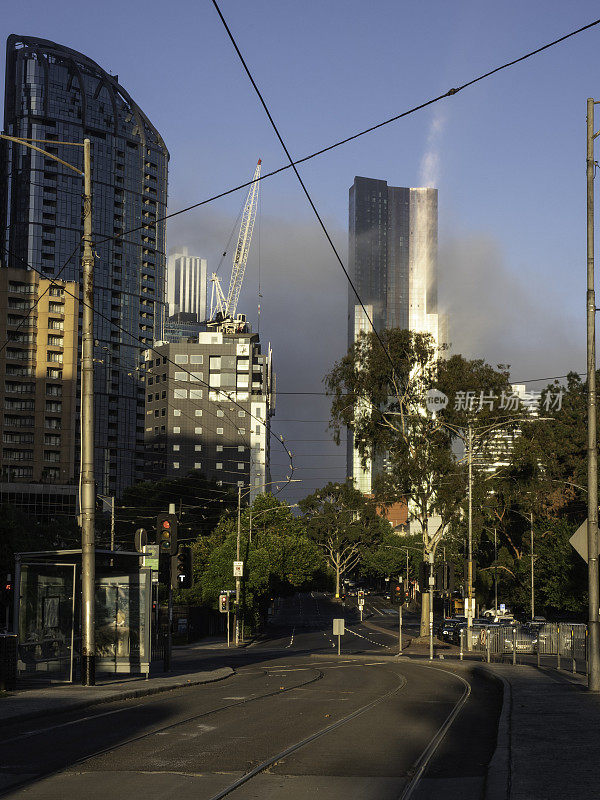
(292, 639)
(366, 638)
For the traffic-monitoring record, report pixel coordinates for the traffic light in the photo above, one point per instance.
(424, 576)
(397, 593)
(223, 603)
(166, 532)
(184, 568)
(444, 577)
(166, 538)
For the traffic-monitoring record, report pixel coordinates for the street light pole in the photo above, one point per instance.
(470, 563)
(495, 574)
(238, 579)
(532, 575)
(592, 452)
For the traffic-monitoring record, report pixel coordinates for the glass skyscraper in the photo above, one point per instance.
(393, 264)
(58, 95)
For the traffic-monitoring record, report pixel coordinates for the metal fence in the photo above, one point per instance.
(559, 642)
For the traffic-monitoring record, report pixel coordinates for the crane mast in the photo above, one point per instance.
(223, 309)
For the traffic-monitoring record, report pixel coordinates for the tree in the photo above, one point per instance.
(279, 558)
(382, 398)
(344, 524)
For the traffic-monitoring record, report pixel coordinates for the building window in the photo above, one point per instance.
(176, 430)
(242, 431)
(55, 357)
(219, 465)
(196, 359)
(198, 412)
(176, 465)
(180, 394)
(241, 448)
(214, 363)
(196, 377)
(220, 431)
(181, 376)
(197, 431)
(241, 413)
(181, 359)
(240, 466)
(220, 413)
(195, 394)
(175, 447)
(219, 448)
(176, 412)
(197, 465)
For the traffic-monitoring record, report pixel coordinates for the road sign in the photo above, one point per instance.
(238, 569)
(361, 601)
(338, 627)
(502, 608)
(579, 541)
(151, 556)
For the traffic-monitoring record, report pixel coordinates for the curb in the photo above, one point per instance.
(130, 694)
(499, 771)
(354, 657)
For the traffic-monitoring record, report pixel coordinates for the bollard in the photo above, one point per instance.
(514, 645)
(487, 638)
(538, 651)
(558, 647)
(573, 662)
(462, 636)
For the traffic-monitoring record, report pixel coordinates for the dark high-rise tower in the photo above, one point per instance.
(393, 264)
(58, 95)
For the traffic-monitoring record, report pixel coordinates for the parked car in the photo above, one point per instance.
(444, 631)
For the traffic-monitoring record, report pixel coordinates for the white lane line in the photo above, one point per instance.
(366, 638)
(292, 639)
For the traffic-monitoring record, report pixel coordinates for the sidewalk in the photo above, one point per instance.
(29, 703)
(548, 738)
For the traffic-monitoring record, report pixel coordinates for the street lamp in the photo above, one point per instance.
(248, 490)
(86, 468)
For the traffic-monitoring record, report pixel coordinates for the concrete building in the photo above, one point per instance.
(38, 376)
(208, 408)
(186, 285)
(58, 95)
(393, 264)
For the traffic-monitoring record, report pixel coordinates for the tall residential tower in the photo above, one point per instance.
(393, 264)
(58, 95)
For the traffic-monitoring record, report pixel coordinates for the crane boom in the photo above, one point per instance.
(243, 246)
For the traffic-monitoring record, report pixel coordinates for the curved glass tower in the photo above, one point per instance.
(58, 95)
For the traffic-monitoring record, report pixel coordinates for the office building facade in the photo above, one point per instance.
(393, 264)
(58, 95)
(208, 408)
(186, 285)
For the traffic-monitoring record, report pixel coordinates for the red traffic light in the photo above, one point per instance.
(166, 524)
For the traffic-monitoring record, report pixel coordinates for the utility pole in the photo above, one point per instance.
(592, 452)
(431, 583)
(87, 483)
(532, 575)
(237, 579)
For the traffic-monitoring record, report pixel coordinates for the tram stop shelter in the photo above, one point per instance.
(47, 613)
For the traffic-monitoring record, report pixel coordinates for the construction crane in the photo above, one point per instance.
(223, 309)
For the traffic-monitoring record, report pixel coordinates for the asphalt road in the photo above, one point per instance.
(307, 723)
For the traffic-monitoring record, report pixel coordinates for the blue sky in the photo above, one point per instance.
(508, 154)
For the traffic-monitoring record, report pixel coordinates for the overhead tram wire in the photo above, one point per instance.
(363, 132)
(293, 165)
(181, 367)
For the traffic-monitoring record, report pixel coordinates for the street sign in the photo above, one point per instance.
(238, 569)
(338, 627)
(579, 541)
(502, 608)
(361, 601)
(151, 556)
